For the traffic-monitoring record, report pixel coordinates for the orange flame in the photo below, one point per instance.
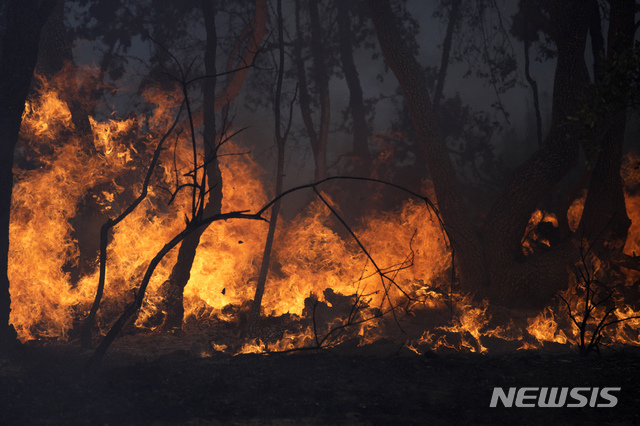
(319, 274)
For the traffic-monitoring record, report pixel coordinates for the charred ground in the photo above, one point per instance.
(146, 380)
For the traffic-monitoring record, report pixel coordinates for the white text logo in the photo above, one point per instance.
(554, 397)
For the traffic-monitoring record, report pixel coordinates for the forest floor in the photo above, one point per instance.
(145, 380)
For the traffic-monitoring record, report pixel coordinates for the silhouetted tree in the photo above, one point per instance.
(213, 101)
(24, 23)
(360, 154)
(281, 140)
(318, 137)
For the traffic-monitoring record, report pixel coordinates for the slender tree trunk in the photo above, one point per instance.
(254, 313)
(181, 272)
(281, 139)
(318, 139)
(25, 19)
(532, 82)
(446, 51)
(305, 97)
(597, 40)
(54, 48)
(53, 54)
(361, 154)
(322, 79)
(252, 35)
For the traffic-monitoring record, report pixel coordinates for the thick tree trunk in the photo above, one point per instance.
(559, 153)
(25, 20)
(515, 281)
(604, 216)
(174, 287)
(447, 188)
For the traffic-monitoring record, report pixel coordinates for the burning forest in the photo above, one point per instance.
(393, 267)
(288, 177)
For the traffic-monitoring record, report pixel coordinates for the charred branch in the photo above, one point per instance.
(104, 236)
(597, 303)
(196, 224)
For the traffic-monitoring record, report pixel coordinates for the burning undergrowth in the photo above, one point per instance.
(394, 281)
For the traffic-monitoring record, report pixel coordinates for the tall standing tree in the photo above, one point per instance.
(181, 271)
(360, 153)
(318, 137)
(213, 101)
(25, 20)
(281, 140)
(604, 218)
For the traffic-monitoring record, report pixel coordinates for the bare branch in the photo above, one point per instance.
(104, 235)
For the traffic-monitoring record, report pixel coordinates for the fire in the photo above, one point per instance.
(322, 286)
(47, 116)
(534, 234)
(630, 174)
(545, 328)
(105, 137)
